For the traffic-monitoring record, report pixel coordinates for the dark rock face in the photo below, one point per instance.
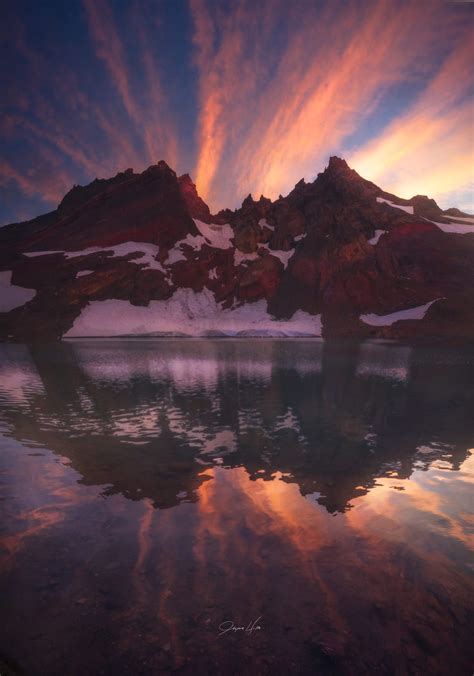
(196, 206)
(350, 249)
(147, 207)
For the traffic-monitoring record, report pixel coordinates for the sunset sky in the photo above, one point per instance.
(246, 96)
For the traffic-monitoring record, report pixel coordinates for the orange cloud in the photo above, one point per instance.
(230, 56)
(266, 123)
(429, 149)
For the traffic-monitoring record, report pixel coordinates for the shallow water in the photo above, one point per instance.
(319, 495)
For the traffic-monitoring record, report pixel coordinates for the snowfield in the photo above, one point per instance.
(456, 228)
(12, 296)
(408, 209)
(468, 219)
(217, 236)
(145, 253)
(191, 314)
(387, 320)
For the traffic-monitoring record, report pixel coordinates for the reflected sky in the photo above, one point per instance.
(155, 489)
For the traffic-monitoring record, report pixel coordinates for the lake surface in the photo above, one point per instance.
(318, 495)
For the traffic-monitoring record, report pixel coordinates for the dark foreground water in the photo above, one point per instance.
(319, 496)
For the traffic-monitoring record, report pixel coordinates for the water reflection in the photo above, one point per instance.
(325, 487)
(144, 418)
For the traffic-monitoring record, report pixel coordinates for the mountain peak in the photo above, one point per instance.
(337, 164)
(248, 201)
(161, 168)
(335, 247)
(196, 205)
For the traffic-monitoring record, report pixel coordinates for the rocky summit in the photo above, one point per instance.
(141, 254)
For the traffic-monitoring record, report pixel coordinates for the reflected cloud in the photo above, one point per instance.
(376, 360)
(19, 380)
(159, 507)
(331, 418)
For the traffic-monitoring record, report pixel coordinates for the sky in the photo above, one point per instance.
(247, 96)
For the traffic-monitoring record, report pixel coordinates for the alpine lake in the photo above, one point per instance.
(225, 506)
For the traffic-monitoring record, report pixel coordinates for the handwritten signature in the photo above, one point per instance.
(230, 626)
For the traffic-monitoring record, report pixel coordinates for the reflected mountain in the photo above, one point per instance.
(147, 418)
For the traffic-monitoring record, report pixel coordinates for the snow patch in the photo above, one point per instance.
(188, 313)
(263, 224)
(283, 256)
(376, 237)
(33, 254)
(468, 219)
(177, 254)
(299, 238)
(241, 257)
(408, 209)
(455, 228)
(146, 253)
(218, 236)
(83, 273)
(387, 320)
(11, 295)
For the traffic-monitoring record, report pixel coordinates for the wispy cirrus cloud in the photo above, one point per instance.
(233, 64)
(255, 95)
(429, 148)
(265, 123)
(78, 120)
(150, 112)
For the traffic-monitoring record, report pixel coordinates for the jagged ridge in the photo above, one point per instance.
(339, 249)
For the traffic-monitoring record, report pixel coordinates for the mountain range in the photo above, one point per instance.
(141, 254)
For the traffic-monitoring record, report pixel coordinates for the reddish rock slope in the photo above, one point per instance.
(339, 247)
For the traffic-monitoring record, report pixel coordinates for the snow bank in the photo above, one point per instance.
(146, 253)
(217, 236)
(408, 209)
(12, 296)
(189, 313)
(468, 219)
(455, 228)
(387, 320)
(376, 237)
